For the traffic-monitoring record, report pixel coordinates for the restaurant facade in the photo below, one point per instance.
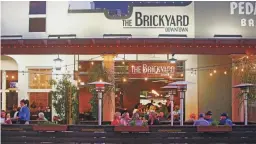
(203, 38)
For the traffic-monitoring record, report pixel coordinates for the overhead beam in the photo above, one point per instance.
(128, 46)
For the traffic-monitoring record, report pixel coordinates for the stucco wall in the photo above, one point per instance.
(205, 20)
(215, 92)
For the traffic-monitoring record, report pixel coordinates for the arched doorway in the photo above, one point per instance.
(9, 80)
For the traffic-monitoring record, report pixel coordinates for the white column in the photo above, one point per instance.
(3, 90)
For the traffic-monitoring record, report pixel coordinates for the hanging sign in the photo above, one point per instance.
(151, 70)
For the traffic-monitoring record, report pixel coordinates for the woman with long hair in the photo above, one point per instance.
(24, 113)
(117, 118)
(125, 119)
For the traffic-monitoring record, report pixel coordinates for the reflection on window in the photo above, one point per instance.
(39, 78)
(37, 7)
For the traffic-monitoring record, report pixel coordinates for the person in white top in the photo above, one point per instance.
(3, 114)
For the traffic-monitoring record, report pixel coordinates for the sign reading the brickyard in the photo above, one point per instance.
(151, 70)
(170, 23)
(162, 20)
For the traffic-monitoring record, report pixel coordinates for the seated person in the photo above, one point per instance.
(152, 120)
(161, 117)
(201, 121)
(224, 120)
(8, 119)
(208, 117)
(41, 117)
(125, 119)
(136, 119)
(3, 115)
(117, 118)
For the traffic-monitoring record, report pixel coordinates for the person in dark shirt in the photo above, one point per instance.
(224, 120)
(208, 117)
(14, 109)
(149, 104)
(168, 105)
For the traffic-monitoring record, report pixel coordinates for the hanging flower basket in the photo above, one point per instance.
(214, 128)
(50, 127)
(131, 129)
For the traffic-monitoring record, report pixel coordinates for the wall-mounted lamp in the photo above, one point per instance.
(173, 60)
(58, 63)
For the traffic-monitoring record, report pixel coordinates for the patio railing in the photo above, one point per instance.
(17, 134)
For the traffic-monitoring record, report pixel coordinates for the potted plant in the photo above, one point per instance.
(133, 128)
(49, 126)
(214, 127)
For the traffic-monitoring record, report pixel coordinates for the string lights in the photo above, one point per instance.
(213, 69)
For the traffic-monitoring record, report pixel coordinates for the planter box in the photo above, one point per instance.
(50, 127)
(131, 129)
(214, 128)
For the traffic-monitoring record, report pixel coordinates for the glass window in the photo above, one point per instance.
(37, 24)
(37, 7)
(39, 78)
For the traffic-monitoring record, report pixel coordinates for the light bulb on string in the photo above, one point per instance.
(6, 76)
(145, 78)
(123, 62)
(181, 75)
(92, 63)
(242, 70)
(210, 74)
(13, 77)
(225, 72)
(124, 80)
(191, 73)
(236, 68)
(214, 71)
